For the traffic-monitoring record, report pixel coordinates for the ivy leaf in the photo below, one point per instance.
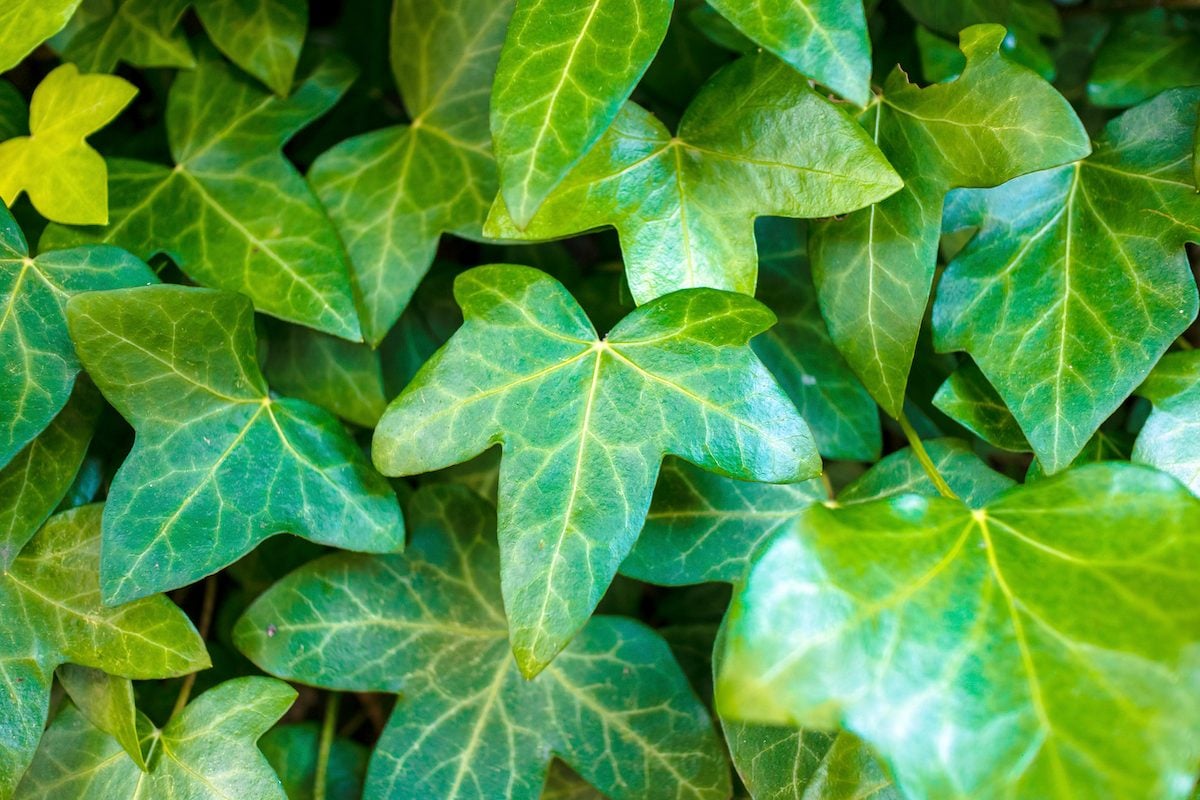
(180, 364)
(234, 214)
(34, 482)
(53, 615)
(1065, 346)
(33, 294)
(704, 527)
(394, 192)
(14, 113)
(106, 701)
(343, 377)
(585, 423)
(24, 24)
(901, 473)
(565, 70)
(292, 753)
(263, 37)
(968, 399)
(757, 126)
(1028, 21)
(65, 178)
(206, 752)
(429, 626)
(1170, 439)
(824, 39)
(1143, 55)
(874, 269)
(969, 663)
(798, 351)
(143, 33)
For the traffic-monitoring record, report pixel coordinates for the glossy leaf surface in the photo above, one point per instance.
(179, 364)
(1170, 438)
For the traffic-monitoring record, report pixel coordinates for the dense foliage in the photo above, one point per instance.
(386, 410)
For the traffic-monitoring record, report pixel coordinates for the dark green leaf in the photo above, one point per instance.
(584, 423)
(874, 269)
(292, 753)
(1143, 55)
(218, 464)
(429, 626)
(342, 377)
(968, 399)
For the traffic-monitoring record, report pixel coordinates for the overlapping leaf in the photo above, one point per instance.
(263, 37)
(969, 662)
(565, 70)
(429, 626)
(1028, 22)
(106, 701)
(233, 213)
(14, 113)
(292, 751)
(584, 423)
(901, 473)
(1078, 280)
(53, 615)
(24, 24)
(393, 193)
(968, 399)
(339, 376)
(34, 482)
(218, 464)
(1143, 55)
(874, 269)
(756, 141)
(33, 294)
(206, 752)
(65, 178)
(1170, 438)
(824, 39)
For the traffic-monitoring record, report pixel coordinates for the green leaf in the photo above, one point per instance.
(234, 213)
(584, 423)
(1028, 21)
(143, 33)
(901, 473)
(65, 178)
(53, 616)
(292, 753)
(969, 663)
(24, 24)
(704, 527)
(824, 39)
(14, 114)
(394, 192)
(1105, 445)
(968, 399)
(33, 294)
(206, 752)
(107, 703)
(756, 141)
(263, 37)
(343, 377)
(429, 626)
(874, 269)
(566, 68)
(218, 464)
(35, 481)
(798, 351)
(1142, 55)
(1170, 439)
(1077, 280)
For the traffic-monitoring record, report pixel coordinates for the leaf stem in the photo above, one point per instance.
(1184, 344)
(922, 454)
(206, 615)
(325, 745)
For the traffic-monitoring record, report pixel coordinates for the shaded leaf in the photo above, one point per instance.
(565, 70)
(756, 141)
(392, 193)
(35, 481)
(14, 114)
(1142, 55)
(143, 33)
(234, 213)
(342, 377)
(968, 662)
(429, 626)
(874, 269)
(968, 399)
(824, 39)
(53, 615)
(1170, 439)
(292, 753)
(33, 294)
(65, 178)
(1028, 21)
(584, 423)
(218, 464)
(106, 701)
(206, 752)
(263, 37)
(1077, 280)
